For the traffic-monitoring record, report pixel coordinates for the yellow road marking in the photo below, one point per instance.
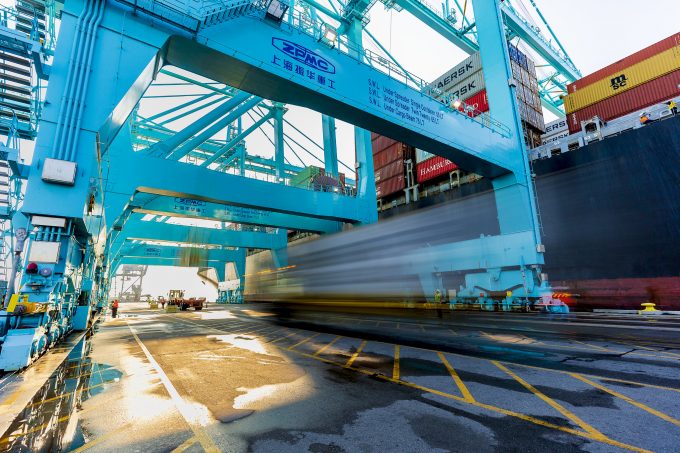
(602, 378)
(102, 438)
(12, 396)
(644, 407)
(63, 395)
(7, 439)
(355, 355)
(282, 338)
(328, 345)
(555, 405)
(524, 417)
(395, 368)
(186, 444)
(601, 438)
(203, 437)
(303, 341)
(592, 346)
(459, 382)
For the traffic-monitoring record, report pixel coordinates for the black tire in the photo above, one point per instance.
(198, 308)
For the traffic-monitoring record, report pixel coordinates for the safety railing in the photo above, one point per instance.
(538, 35)
(376, 61)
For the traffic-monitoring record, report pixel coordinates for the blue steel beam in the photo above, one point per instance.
(220, 124)
(137, 229)
(179, 179)
(440, 25)
(236, 140)
(383, 104)
(515, 24)
(523, 29)
(166, 147)
(200, 209)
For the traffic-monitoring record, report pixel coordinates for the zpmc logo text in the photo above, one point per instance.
(304, 55)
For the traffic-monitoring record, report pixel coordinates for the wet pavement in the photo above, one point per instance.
(232, 379)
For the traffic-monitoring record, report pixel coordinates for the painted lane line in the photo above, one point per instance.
(602, 378)
(555, 405)
(527, 418)
(644, 407)
(459, 382)
(395, 368)
(303, 341)
(183, 408)
(282, 338)
(185, 445)
(592, 346)
(356, 354)
(53, 422)
(507, 412)
(320, 351)
(103, 438)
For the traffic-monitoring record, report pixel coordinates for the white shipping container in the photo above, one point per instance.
(468, 87)
(555, 127)
(458, 73)
(554, 137)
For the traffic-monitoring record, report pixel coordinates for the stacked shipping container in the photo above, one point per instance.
(555, 130)
(389, 157)
(647, 77)
(465, 81)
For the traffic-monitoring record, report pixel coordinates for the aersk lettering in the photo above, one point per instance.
(303, 55)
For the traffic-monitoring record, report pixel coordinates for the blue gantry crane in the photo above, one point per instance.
(106, 183)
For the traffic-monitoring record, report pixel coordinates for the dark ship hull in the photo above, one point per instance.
(610, 213)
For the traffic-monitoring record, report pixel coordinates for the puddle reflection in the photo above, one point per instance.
(50, 422)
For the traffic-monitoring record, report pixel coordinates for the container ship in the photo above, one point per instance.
(608, 190)
(608, 187)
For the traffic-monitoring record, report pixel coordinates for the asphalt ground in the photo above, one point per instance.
(238, 379)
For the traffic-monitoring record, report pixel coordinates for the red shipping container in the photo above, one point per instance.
(479, 101)
(653, 92)
(433, 167)
(380, 142)
(630, 60)
(390, 186)
(390, 170)
(398, 151)
(388, 155)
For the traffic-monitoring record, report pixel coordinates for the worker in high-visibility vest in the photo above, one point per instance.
(114, 308)
(672, 106)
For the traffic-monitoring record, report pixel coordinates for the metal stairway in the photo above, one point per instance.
(31, 19)
(5, 201)
(16, 94)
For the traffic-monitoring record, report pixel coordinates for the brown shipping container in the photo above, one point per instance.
(390, 186)
(389, 171)
(630, 60)
(398, 151)
(654, 92)
(380, 142)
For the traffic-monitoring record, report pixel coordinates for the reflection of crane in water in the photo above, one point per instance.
(127, 284)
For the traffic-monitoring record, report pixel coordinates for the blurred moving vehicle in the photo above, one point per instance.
(402, 262)
(176, 298)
